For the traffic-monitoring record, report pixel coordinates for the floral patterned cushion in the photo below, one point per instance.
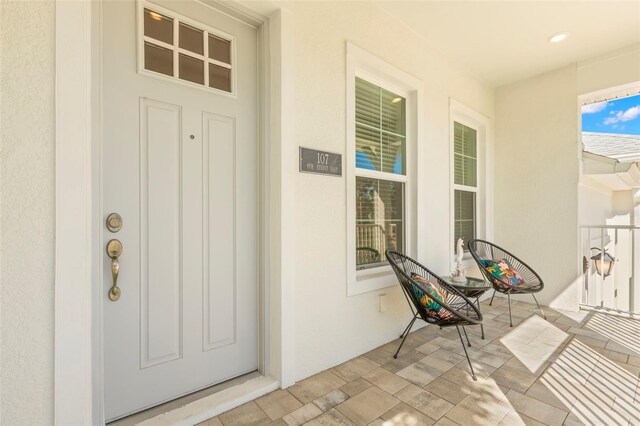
(506, 277)
(431, 297)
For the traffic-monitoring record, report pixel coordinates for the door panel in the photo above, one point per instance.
(219, 269)
(160, 232)
(179, 164)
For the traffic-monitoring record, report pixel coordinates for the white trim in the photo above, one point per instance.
(611, 93)
(458, 112)
(73, 359)
(78, 369)
(363, 64)
(282, 159)
(210, 406)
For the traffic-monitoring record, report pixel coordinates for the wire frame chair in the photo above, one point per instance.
(456, 309)
(367, 255)
(485, 250)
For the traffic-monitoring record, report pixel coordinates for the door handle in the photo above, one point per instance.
(114, 250)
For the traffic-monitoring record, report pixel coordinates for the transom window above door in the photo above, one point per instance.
(174, 47)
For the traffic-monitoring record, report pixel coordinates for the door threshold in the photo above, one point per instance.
(204, 404)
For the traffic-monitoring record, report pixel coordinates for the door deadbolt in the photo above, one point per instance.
(114, 222)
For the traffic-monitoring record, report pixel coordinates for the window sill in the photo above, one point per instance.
(373, 279)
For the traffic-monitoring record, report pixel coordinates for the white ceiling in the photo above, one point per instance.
(501, 42)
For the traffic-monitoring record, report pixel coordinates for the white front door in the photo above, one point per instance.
(179, 165)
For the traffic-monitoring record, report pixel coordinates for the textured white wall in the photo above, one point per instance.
(27, 215)
(536, 179)
(595, 203)
(604, 72)
(537, 198)
(331, 327)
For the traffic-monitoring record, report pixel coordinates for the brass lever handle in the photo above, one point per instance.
(114, 250)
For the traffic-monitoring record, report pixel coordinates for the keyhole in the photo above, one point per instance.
(192, 137)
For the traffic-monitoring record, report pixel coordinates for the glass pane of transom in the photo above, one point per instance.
(379, 219)
(367, 104)
(158, 59)
(220, 49)
(191, 69)
(191, 39)
(220, 77)
(158, 26)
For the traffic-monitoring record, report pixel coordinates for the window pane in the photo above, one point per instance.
(367, 148)
(393, 113)
(458, 137)
(191, 39)
(458, 166)
(465, 155)
(158, 26)
(367, 103)
(158, 59)
(470, 136)
(220, 49)
(393, 154)
(191, 69)
(464, 216)
(220, 77)
(379, 219)
(470, 173)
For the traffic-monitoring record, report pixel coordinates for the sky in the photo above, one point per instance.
(620, 116)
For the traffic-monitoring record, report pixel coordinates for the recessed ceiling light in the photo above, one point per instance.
(396, 100)
(155, 16)
(557, 38)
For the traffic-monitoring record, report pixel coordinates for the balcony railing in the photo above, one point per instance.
(620, 291)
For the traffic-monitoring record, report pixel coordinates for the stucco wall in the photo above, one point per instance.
(536, 184)
(538, 196)
(27, 215)
(331, 327)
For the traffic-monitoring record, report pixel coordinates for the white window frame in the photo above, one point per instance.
(467, 116)
(368, 67)
(177, 50)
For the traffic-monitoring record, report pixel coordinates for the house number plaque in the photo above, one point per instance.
(320, 162)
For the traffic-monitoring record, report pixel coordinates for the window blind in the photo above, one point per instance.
(465, 155)
(380, 129)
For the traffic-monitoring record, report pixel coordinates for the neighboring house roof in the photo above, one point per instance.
(622, 148)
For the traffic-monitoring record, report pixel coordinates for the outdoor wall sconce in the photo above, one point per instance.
(603, 262)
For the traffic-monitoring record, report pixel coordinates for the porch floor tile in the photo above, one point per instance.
(568, 370)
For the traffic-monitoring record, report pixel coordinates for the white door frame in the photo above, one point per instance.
(78, 359)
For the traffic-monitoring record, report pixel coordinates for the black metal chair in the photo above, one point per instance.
(454, 309)
(367, 255)
(483, 251)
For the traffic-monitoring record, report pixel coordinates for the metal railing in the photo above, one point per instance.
(620, 290)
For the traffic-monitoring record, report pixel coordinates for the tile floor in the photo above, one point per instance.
(574, 368)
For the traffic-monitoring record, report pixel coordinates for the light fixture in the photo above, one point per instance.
(396, 100)
(603, 262)
(155, 16)
(557, 38)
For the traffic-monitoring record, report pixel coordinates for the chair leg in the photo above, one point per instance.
(473, 373)
(409, 325)
(405, 337)
(494, 295)
(466, 336)
(541, 311)
(510, 320)
(481, 325)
